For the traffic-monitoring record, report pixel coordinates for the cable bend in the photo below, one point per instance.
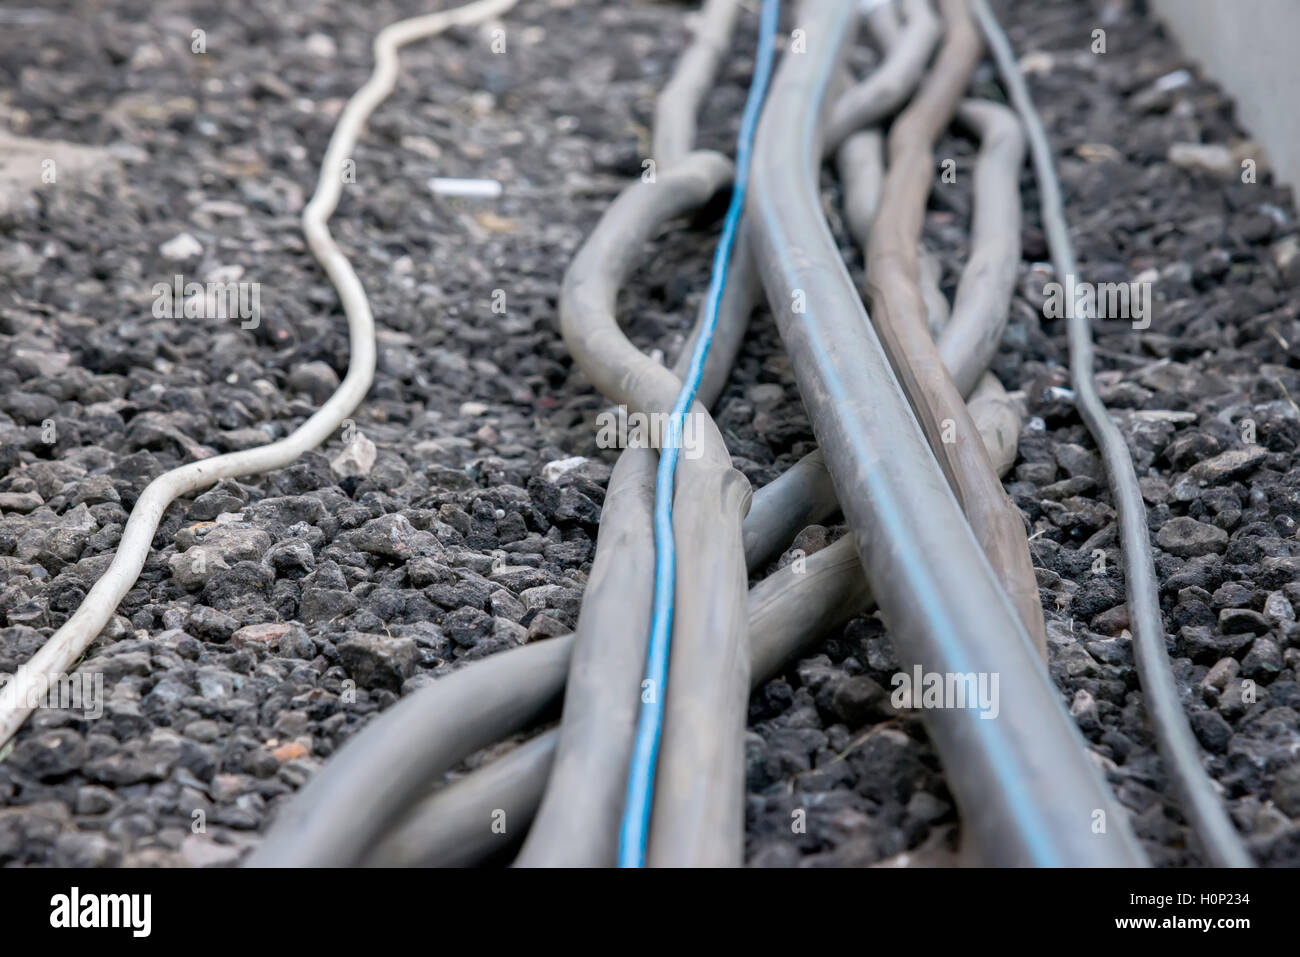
(66, 645)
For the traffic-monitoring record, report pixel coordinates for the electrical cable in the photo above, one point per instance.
(1023, 784)
(65, 646)
(1206, 815)
(636, 816)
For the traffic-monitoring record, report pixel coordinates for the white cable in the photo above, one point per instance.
(30, 684)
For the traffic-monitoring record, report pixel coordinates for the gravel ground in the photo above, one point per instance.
(269, 604)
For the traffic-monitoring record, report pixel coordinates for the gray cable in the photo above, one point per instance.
(674, 137)
(800, 496)
(587, 786)
(679, 102)
(377, 774)
(474, 817)
(888, 87)
(899, 317)
(988, 281)
(787, 612)
(578, 819)
(698, 815)
(1205, 813)
(319, 825)
(1023, 782)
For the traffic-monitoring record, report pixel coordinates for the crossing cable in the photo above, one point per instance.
(640, 787)
(1206, 815)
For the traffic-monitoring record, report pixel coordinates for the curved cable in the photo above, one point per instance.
(1023, 784)
(577, 823)
(1205, 813)
(66, 645)
(640, 784)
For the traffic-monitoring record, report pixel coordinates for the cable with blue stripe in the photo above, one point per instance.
(640, 781)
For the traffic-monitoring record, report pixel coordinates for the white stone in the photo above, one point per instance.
(181, 247)
(551, 471)
(321, 45)
(356, 459)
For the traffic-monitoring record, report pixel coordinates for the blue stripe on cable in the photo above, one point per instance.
(640, 780)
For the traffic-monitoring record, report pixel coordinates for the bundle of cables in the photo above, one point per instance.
(640, 783)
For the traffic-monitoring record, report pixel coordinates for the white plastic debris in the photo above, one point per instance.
(321, 46)
(473, 188)
(1174, 80)
(356, 459)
